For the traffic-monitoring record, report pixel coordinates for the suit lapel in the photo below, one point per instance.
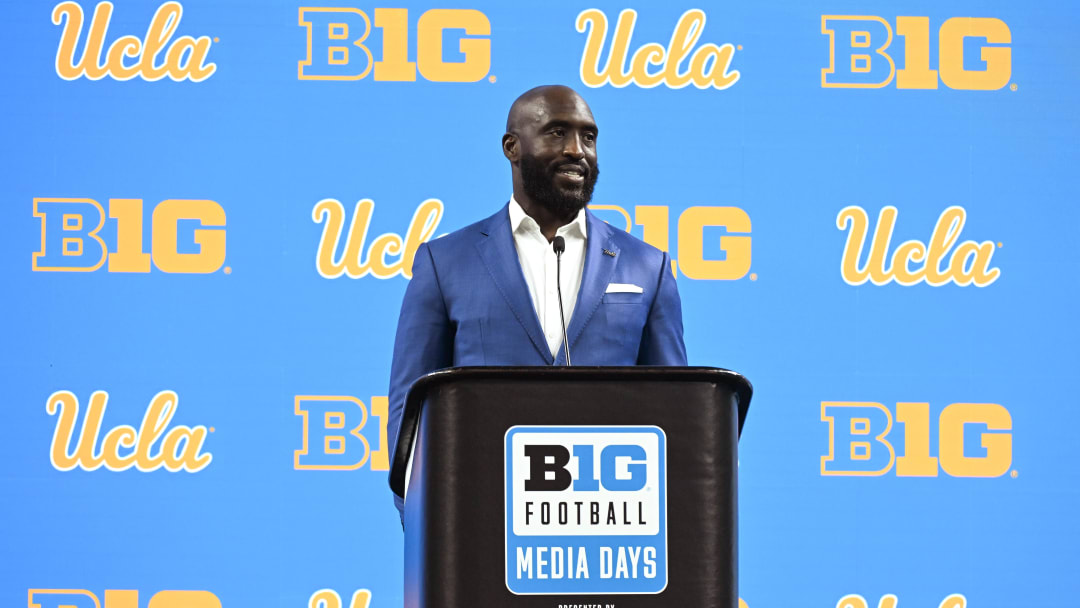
(599, 267)
(501, 259)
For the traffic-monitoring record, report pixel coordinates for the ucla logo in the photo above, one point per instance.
(355, 262)
(124, 446)
(942, 260)
(653, 64)
(891, 601)
(328, 598)
(858, 56)
(974, 440)
(151, 58)
(337, 45)
(730, 262)
(331, 434)
(119, 598)
(70, 239)
(586, 510)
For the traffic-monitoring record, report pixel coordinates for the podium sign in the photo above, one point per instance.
(586, 510)
(541, 487)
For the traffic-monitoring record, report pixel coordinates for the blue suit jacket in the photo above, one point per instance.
(468, 304)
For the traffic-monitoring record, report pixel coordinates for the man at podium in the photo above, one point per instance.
(505, 290)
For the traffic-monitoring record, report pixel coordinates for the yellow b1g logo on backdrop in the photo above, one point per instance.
(337, 47)
(119, 598)
(331, 437)
(859, 439)
(70, 239)
(690, 257)
(859, 58)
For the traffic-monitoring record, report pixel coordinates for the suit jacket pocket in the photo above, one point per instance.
(620, 321)
(623, 298)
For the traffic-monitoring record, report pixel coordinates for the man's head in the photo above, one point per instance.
(550, 142)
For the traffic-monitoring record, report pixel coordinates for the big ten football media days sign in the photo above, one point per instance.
(586, 510)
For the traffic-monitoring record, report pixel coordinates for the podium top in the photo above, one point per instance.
(420, 389)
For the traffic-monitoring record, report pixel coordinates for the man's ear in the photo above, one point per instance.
(510, 147)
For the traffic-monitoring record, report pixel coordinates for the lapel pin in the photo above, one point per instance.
(609, 252)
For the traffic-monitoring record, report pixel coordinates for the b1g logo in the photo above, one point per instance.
(331, 435)
(858, 57)
(186, 236)
(119, 598)
(730, 226)
(974, 439)
(586, 510)
(338, 47)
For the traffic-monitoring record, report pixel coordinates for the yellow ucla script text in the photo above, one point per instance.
(336, 49)
(859, 444)
(119, 598)
(891, 601)
(328, 598)
(352, 262)
(967, 264)
(331, 438)
(184, 58)
(70, 240)
(858, 57)
(180, 449)
(710, 65)
(691, 238)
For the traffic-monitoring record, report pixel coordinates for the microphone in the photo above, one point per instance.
(559, 245)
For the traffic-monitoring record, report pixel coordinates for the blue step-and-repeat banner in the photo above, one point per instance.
(211, 210)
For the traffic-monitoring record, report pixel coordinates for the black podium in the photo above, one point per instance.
(571, 486)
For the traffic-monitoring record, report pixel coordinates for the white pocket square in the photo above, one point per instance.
(623, 288)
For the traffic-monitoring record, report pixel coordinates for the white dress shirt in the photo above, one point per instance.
(537, 259)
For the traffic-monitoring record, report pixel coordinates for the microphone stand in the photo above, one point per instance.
(559, 245)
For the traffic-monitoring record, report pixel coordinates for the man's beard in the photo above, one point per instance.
(539, 182)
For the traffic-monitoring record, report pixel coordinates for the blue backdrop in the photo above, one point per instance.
(212, 209)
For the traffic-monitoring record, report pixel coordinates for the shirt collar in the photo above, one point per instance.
(519, 217)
